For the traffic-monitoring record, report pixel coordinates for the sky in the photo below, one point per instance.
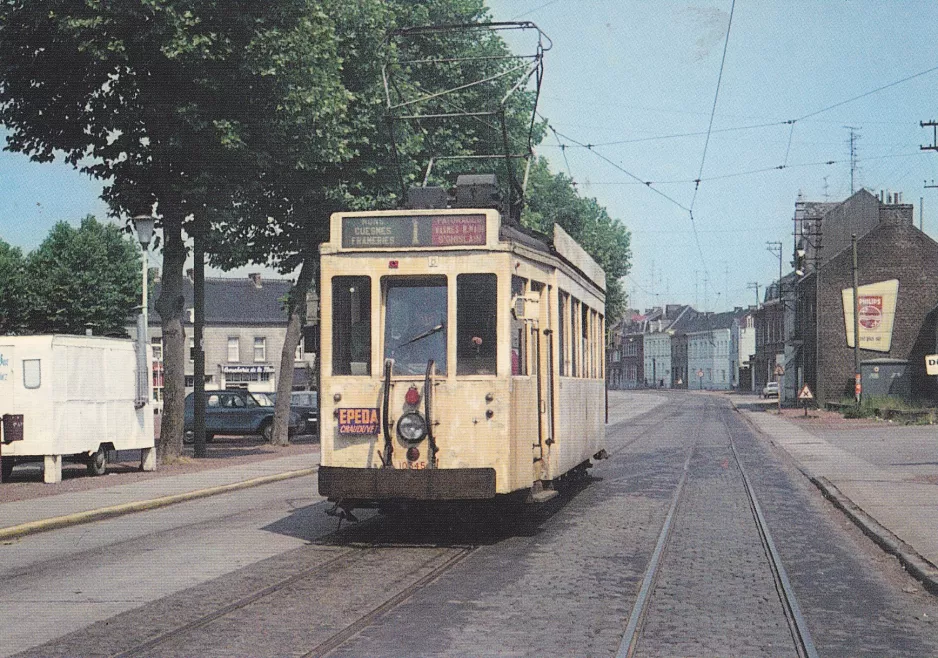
(664, 97)
(645, 75)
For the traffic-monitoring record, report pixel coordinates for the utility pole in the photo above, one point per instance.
(928, 147)
(857, 389)
(775, 247)
(854, 137)
(751, 285)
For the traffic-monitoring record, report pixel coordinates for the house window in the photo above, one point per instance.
(157, 343)
(234, 349)
(32, 374)
(192, 349)
(260, 349)
(300, 351)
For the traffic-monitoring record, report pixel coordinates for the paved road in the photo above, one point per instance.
(565, 588)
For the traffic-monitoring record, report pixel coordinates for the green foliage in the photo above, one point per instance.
(185, 103)
(285, 216)
(84, 276)
(553, 199)
(853, 411)
(12, 288)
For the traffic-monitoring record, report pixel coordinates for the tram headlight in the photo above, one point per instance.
(412, 427)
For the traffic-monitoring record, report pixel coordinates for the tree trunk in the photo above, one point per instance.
(297, 304)
(171, 306)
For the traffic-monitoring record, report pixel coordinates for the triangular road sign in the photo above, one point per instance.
(805, 393)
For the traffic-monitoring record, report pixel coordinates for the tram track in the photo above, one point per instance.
(800, 634)
(349, 566)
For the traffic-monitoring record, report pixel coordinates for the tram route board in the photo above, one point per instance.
(413, 231)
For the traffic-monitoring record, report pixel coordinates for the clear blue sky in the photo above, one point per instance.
(628, 71)
(642, 73)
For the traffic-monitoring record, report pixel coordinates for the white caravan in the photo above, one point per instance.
(73, 397)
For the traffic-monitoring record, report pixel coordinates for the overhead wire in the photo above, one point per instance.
(716, 96)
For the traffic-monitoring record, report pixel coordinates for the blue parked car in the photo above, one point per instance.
(306, 405)
(236, 412)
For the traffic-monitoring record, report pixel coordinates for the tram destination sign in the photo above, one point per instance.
(413, 231)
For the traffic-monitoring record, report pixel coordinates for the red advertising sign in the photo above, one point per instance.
(458, 230)
(870, 311)
(358, 420)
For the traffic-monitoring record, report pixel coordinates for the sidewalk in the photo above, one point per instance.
(32, 506)
(883, 476)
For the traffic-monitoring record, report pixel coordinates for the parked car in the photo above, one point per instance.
(237, 412)
(306, 405)
(770, 390)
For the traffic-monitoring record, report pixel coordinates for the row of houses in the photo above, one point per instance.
(676, 346)
(802, 333)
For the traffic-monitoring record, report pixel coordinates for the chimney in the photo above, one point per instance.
(897, 214)
(255, 278)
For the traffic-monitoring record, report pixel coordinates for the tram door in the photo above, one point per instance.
(542, 341)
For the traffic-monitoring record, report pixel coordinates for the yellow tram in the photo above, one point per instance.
(462, 357)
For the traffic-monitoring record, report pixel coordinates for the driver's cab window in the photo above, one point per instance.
(351, 325)
(415, 317)
(476, 313)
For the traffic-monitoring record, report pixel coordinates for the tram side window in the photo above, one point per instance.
(562, 304)
(584, 339)
(351, 325)
(519, 338)
(574, 347)
(476, 313)
(602, 336)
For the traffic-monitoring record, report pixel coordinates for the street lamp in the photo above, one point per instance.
(144, 225)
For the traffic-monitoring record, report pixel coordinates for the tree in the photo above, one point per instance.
(290, 215)
(185, 106)
(553, 199)
(12, 289)
(81, 278)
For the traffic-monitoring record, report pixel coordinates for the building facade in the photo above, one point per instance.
(744, 337)
(902, 259)
(711, 351)
(245, 328)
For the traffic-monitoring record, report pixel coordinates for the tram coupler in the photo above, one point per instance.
(343, 511)
(602, 454)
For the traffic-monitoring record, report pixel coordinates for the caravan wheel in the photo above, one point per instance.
(6, 468)
(97, 463)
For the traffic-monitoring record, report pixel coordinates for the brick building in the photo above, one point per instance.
(892, 250)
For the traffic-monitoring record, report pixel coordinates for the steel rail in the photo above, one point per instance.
(367, 619)
(632, 631)
(799, 627)
(145, 647)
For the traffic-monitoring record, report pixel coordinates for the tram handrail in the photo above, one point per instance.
(427, 406)
(388, 444)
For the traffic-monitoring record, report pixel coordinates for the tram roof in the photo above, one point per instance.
(452, 228)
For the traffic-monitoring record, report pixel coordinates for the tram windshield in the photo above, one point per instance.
(415, 324)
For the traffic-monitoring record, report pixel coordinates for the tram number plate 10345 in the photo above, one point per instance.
(358, 420)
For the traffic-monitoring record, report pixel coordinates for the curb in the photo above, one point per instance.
(917, 566)
(33, 527)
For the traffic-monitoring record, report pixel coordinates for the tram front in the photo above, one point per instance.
(415, 369)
